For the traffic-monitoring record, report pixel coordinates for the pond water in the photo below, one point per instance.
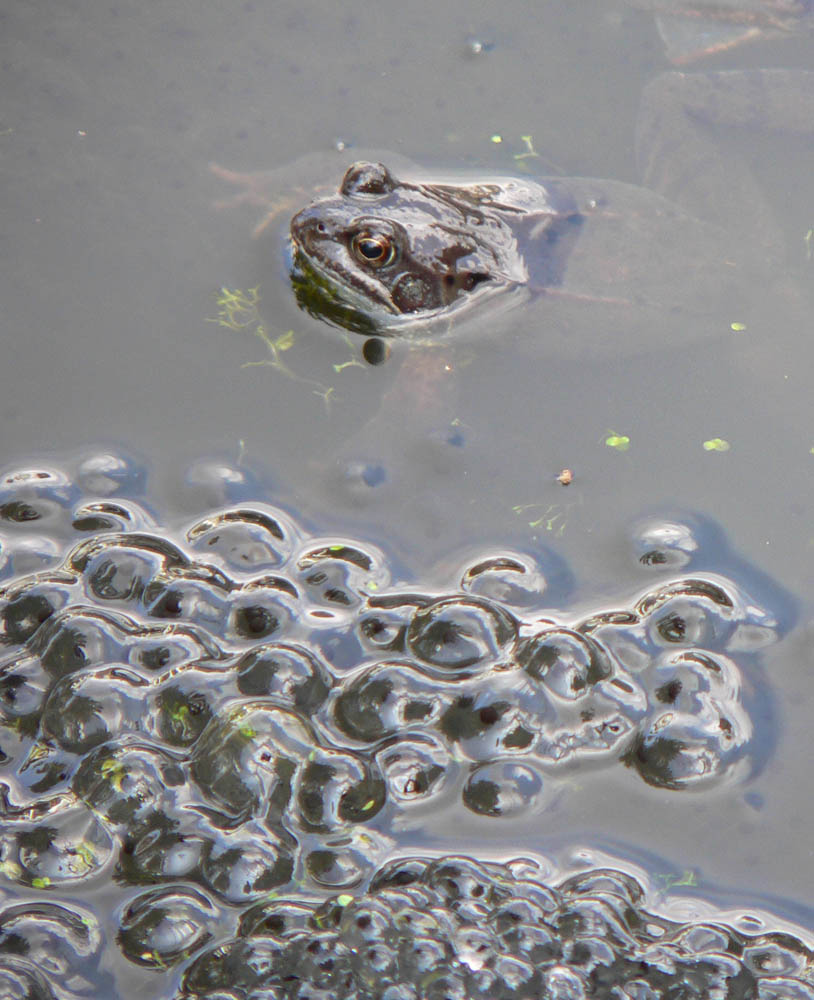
(115, 258)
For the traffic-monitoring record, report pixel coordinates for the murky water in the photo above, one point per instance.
(113, 260)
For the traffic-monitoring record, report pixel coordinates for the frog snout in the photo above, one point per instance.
(309, 228)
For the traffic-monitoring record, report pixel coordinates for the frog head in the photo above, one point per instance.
(383, 249)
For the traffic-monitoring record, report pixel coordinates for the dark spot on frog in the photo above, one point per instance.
(411, 292)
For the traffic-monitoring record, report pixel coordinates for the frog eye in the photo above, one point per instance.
(367, 179)
(375, 249)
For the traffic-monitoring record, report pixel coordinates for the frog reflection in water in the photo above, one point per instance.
(396, 254)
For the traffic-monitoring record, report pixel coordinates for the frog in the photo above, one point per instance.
(409, 255)
(396, 249)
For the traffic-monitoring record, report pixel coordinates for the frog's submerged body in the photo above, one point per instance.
(412, 255)
(397, 253)
(600, 267)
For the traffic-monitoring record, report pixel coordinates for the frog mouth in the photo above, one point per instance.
(322, 296)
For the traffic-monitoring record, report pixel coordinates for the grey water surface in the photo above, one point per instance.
(113, 254)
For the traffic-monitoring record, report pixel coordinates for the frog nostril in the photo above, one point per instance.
(321, 227)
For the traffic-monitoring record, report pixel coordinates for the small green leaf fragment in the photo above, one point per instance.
(673, 881)
(237, 309)
(621, 442)
(344, 899)
(737, 327)
(716, 444)
(182, 719)
(285, 341)
(553, 518)
(341, 366)
(496, 139)
(113, 772)
(41, 882)
(530, 152)
(326, 394)
(85, 851)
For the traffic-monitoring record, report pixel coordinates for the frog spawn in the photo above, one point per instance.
(426, 928)
(450, 927)
(51, 951)
(421, 677)
(650, 685)
(221, 714)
